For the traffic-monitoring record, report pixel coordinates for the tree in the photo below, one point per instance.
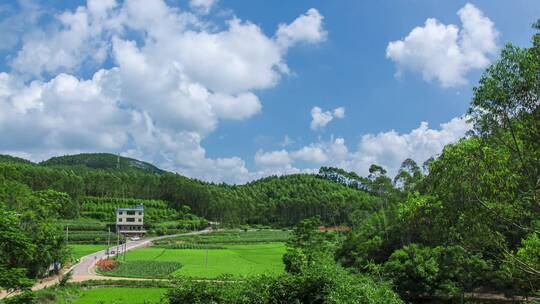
(16, 249)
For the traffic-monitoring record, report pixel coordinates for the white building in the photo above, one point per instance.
(130, 221)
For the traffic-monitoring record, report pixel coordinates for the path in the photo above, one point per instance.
(85, 269)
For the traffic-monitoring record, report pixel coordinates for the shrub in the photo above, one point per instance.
(418, 271)
(323, 282)
(106, 265)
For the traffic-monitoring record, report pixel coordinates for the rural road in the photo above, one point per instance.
(85, 269)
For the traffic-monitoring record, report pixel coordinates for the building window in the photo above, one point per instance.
(120, 219)
(131, 213)
(130, 219)
(140, 220)
(119, 212)
(140, 213)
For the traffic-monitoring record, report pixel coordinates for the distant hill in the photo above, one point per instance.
(104, 161)
(13, 159)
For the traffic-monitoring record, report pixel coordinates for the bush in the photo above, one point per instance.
(106, 265)
(323, 282)
(418, 271)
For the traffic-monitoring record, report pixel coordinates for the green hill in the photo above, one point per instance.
(13, 159)
(104, 161)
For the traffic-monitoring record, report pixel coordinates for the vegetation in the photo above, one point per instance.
(144, 269)
(467, 220)
(277, 201)
(233, 260)
(229, 237)
(102, 161)
(471, 220)
(78, 251)
(313, 277)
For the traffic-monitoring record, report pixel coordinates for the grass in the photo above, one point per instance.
(231, 237)
(78, 250)
(234, 260)
(120, 295)
(144, 269)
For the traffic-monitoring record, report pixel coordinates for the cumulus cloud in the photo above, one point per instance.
(388, 149)
(162, 81)
(446, 53)
(320, 118)
(306, 28)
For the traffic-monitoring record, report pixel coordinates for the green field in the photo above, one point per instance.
(233, 236)
(119, 295)
(78, 250)
(145, 269)
(235, 260)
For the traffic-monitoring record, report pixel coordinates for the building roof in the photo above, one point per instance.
(140, 207)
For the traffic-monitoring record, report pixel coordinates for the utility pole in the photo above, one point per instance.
(108, 242)
(206, 259)
(67, 235)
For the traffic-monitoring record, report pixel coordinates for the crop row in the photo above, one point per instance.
(190, 246)
(124, 201)
(144, 269)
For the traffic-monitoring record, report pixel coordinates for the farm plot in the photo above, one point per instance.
(120, 295)
(229, 237)
(79, 250)
(234, 260)
(144, 269)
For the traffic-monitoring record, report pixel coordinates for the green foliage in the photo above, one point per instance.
(307, 246)
(29, 243)
(229, 237)
(13, 159)
(418, 271)
(238, 261)
(276, 201)
(522, 268)
(102, 161)
(324, 282)
(144, 269)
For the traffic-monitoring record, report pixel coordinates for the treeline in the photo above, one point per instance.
(472, 222)
(31, 239)
(274, 200)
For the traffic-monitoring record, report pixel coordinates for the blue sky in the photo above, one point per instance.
(211, 89)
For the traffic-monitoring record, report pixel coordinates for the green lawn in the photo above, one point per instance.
(79, 251)
(236, 260)
(120, 295)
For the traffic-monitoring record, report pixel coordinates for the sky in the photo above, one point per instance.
(231, 91)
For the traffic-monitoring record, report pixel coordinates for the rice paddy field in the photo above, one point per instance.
(233, 260)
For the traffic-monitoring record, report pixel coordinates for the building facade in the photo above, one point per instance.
(130, 221)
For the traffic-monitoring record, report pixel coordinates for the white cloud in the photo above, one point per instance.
(202, 6)
(173, 78)
(312, 154)
(306, 28)
(447, 53)
(272, 159)
(320, 118)
(388, 149)
(76, 40)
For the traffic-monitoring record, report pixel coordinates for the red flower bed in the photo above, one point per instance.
(106, 265)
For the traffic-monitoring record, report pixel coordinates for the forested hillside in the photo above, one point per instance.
(102, 161)
(274, 200)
